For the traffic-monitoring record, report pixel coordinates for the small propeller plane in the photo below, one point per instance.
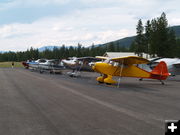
(80, 64)
(128, 67)
(173, 64)
(41, 65)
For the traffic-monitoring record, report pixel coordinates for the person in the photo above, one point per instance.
(12, 64)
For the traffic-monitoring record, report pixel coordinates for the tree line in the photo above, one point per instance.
(62, 52)
(156, 39)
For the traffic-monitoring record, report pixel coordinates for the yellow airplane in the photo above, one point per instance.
(128, 67)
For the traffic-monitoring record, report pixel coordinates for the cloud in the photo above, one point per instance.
(29, 3)
(71, 22)
(70, 30)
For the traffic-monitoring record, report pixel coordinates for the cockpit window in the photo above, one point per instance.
(43, 61)
(106, 61)
(113, 63)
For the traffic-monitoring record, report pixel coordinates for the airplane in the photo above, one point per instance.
(173, 64)
(79, 64)
(128, 67)
(53, 66)
(26, 64)
(33, 64)
(70, 62)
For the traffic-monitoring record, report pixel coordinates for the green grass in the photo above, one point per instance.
(9, 64)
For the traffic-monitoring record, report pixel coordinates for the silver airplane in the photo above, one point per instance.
(42, 65)
(173, 64)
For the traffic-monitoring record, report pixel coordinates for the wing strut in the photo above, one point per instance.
(122, 66)
(161, 75)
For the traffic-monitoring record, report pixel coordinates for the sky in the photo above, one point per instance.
(37, 23)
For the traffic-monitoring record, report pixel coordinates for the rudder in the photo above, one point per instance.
(160, 72)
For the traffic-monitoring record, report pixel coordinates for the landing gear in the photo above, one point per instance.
(100, 79)
(109, 80)
(106, 79)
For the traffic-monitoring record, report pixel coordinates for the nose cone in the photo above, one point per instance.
(96, 67)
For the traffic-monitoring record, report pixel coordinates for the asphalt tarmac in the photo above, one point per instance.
(43, 104)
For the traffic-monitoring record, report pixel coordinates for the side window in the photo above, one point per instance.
(116, 64)
(111, 62)
(106, 61)
(42, 60)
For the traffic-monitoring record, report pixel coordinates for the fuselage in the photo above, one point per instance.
(114, 69)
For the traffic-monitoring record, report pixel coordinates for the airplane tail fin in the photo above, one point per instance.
(160, 72)
(25, 64)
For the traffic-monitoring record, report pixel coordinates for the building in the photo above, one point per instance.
(124, 54)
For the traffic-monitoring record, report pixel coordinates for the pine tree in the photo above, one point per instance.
(162, 35)
(178, 48)
(139, 41)
(160, 39)
(172, 46)
(147, 37)
(111, 47)
(79, 53)
(166, 38)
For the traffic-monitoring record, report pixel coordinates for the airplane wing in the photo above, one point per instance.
(89, 59)
(177, 65)
(102, 57)
(130, 60)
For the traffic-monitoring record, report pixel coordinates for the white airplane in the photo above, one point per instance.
(53, 66)
(70, 62)
(173, 64)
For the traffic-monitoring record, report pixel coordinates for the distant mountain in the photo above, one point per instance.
(2, 51)
(176, 30)
(41, 49)
(126, 42)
